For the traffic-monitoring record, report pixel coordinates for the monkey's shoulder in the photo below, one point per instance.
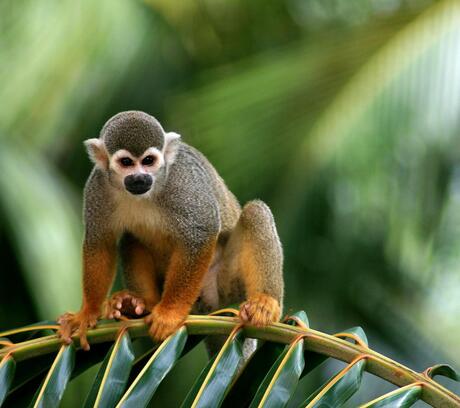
(97, 198)
(190, 183)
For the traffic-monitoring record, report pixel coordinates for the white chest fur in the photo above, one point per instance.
(135, 214)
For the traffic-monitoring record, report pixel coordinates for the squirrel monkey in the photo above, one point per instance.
(183, 239)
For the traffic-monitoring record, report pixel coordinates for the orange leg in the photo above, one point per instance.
(141, 292)
(182, 287)
(98, 272)
(255, 256)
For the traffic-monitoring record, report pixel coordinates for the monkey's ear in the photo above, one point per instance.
(170, 148)
(97, 153)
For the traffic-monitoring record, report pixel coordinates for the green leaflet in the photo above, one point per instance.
(245, 387)
(113, 375)
(28, 378)
(444, 370)
(315, 359)
(216, 379)
(163, 359)
(7, 369)
(281, 381)
(143, 353)
(354, 331)
(196, 386)
(400, 398)
(34, 328)
(53, 388)
(301, 315)
(339, 389)
(85, 360)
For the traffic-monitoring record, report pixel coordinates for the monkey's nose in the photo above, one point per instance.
(138, 183)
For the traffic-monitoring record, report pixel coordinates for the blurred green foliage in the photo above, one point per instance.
(344, 115)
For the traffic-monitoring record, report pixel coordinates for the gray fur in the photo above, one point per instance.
(134, 131)
(195, 209)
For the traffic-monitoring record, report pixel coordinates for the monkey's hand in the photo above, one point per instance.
(76, 322)
(260, 310)
(164, 321)
(124, 304)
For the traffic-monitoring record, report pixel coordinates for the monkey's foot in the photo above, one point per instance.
(124, 304)
(164, 322)
(72, 323)
(260, 310)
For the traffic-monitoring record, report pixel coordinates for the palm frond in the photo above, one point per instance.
(293, 347)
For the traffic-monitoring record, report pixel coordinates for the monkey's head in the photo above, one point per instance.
(134, 150)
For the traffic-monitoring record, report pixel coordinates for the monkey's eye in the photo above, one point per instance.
(148, 160)
(126, 162)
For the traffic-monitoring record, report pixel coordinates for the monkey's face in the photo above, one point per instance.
(136, 174)
(134, 150)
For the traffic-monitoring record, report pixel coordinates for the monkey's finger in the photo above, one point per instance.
(140, 308)
(66, 339)
(83, 339)
(64, 332)
(244, 313)
(116, 314)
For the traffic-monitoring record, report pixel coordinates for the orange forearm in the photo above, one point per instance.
(98, 273)
(184, 278)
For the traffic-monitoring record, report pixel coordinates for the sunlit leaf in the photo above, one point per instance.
(339, 389)
(111, 379)
(355, 333)
(299, 316)
(282, 379)
(400, 398)
(56, 380)
(444, 370)
(163, 359)
(221, 373)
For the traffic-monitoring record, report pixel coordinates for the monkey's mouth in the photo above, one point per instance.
(138, 183)
(138, 190)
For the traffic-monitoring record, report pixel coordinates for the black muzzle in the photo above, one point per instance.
(138, 183)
